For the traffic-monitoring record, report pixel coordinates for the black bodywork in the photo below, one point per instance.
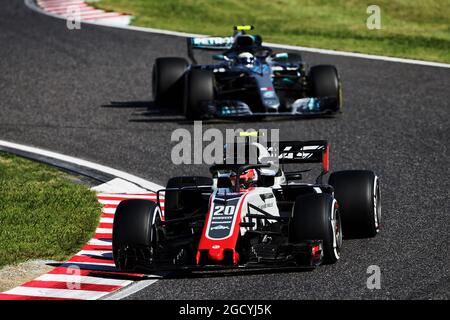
(274, 84)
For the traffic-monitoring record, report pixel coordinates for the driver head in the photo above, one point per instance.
(247, 179)
(247, 59)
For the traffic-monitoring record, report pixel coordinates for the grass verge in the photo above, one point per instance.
(43, 213)
(409, 29)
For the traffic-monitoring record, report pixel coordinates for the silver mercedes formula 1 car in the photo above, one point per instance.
(249, 80)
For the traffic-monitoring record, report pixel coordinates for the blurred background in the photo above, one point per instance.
(401, 28)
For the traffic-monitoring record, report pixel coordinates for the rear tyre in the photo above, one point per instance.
(325, 83)
(133, 233)
(199, 90)
(358, 196)
(179, 203)
(168, 82)
(316, 217)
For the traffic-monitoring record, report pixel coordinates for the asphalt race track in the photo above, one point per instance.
(57, 89)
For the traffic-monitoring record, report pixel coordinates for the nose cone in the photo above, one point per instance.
(272, 104)
(216, 255)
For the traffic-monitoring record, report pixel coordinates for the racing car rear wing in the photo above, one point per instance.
(314, 151)
(211, 43)
(222, 43)
(208, 43)
(284, 152)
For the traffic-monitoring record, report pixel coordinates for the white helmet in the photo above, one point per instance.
(246, 58)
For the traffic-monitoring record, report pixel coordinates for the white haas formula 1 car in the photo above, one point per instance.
(249, 215)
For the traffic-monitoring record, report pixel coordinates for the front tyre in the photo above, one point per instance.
(358, 196)
(199, 91)
(325, 83)
(316, 217)
(168, 82)
(134, 237)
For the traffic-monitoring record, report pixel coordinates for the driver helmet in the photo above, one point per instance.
(247, 179)
(246, 58)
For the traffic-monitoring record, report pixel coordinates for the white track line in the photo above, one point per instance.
(118, 185)
(128, 291)
(359, 55)
(33, 6)
(87, 263)
(96, 253)
(104, 230)
(84, 163)
(83, 279)
(83, 10)
(109, 210)
(57, 293)
(97, 242)
(110, 202)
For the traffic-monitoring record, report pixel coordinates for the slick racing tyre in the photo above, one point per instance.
(316, 217)
(168, 82)
(133, 236)
(358, 196)
(179, 203)
(325, 83)
(199, 90)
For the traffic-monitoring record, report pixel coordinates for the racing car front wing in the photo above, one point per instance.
(307, 254)
(230, 109)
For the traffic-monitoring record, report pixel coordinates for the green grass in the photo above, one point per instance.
(409, 29)
(43, 213)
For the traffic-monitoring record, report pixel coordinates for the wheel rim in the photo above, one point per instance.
(377, 205)
(338, 233)
(336, 226)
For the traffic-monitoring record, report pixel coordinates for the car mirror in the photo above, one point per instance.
(219, 57)
(290, 176)
(281, 55)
